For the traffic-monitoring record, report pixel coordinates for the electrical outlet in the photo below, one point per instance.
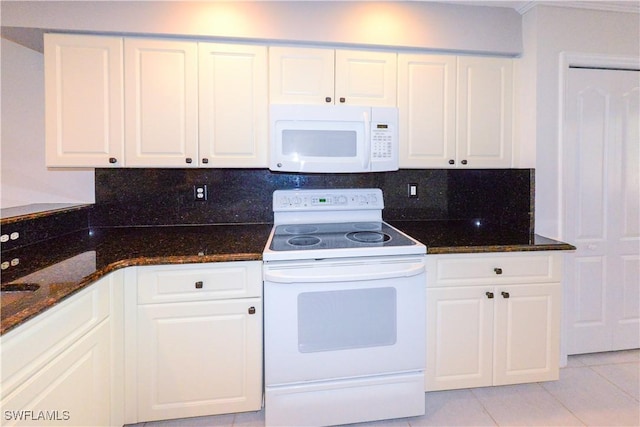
(200, 192)
(412, 191)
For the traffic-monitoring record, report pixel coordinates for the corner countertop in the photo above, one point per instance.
(65, 265)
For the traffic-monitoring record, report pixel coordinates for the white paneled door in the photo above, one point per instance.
(601, 209)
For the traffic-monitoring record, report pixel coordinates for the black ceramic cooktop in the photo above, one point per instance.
(349, 235)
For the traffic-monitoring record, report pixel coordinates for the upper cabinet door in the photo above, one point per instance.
(233, 105)
(484, 117)
(161, 99)
(427, 110)
(366, 78)
(301, 75)
(83, 100)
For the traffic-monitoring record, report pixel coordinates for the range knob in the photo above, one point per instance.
(341, 200)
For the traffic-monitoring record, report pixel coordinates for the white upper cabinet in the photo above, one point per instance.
(161, 99)
(234, 106)
(83, 100)
(485, 112)
(324, 76)
(301, 75)
(455, 111)
(427, 110)
(366, 78)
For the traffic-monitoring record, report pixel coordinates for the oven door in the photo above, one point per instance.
(330, 319)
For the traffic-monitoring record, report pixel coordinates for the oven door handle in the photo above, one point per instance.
(314, 276)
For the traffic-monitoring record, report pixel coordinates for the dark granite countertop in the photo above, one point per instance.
(64, 265)
(37, 210)
(475, 236)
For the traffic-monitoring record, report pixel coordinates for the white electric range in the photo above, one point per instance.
(344, 307)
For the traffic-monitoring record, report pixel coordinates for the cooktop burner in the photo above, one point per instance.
(368, 237)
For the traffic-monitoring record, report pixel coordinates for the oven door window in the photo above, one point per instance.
(346, 319)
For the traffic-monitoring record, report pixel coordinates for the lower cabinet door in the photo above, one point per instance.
(199, 358)
(71, 390)
(527, 333)
(459, 338)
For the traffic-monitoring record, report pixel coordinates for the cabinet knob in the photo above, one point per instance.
(199, 284)
(342, 100)
(188, 160)
(113, 160)
(505, 294)
(452, 162)
(464, 162)
(489, 295)
(497, 270)
(327, 99)
(205, 160)
(252, 310)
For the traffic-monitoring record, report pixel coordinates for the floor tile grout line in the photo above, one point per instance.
(612, 383)
(484, 408)
(561, 403)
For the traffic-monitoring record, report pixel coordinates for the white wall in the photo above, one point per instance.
(548, 32)
(423, 25)
(24, 177)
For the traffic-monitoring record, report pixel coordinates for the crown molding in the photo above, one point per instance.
(628, 6)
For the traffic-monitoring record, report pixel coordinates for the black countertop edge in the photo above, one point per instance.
(552, 246)
(37, 210)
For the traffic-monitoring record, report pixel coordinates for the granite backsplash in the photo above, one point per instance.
(151, 197)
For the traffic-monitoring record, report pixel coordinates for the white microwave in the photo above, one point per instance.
(339, 138)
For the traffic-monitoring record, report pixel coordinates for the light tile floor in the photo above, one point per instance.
(601, 389)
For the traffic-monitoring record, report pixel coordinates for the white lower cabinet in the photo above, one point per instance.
(492, 319)
(61, 368)
(196, 345)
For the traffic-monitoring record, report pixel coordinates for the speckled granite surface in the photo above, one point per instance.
(475, 236)
(64, 265)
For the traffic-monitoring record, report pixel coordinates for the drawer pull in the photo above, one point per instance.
(489, 295)
(199, 285)
(505, 294)
(498, 270)
(252, 310)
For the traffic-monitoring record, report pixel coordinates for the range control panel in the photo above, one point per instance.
(340, 199)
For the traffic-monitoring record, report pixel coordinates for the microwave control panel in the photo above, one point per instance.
(381, 141)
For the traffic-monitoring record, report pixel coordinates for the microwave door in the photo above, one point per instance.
(318, 146)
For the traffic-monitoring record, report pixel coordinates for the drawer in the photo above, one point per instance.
(28, 347)
(199, 282)
(482, 269)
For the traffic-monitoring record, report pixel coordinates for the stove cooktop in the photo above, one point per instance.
(333, 223)
(333, 240)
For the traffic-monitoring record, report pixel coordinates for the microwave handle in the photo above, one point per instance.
(367, 140)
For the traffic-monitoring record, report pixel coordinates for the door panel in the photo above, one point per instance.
(459, 338)
(527, 333)
(602, 214)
